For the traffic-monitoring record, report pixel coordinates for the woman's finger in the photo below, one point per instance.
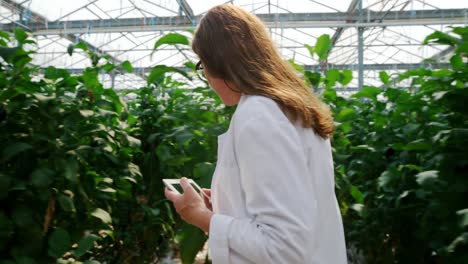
(185, 184)
(172, 196)
(187, 187)
(207, 192)
(208, 204)
(207, 198)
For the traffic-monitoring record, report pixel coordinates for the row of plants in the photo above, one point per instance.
(66, 161)
(81, 166)
(401, 161)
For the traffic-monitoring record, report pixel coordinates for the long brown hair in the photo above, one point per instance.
(234, 45)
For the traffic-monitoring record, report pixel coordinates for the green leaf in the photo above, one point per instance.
(330, 95)
(30, 41)
(59, 243)
(191, 242)
(44, 98)
(158, 73)
(464, 217)
(414, 72)
(410, 167)
(427, 177)
(134, 171)
(323, 46)
(82, 46)
(357, 194)
(363, 147)
(346, 77)
(5, 182)
(22, 216)
(85, 244)
(457, 62)
(14, 149)
(108, 67)
(22, 61)
(5, 35)
(368, 92)
(310, 49)
(42, 177)
(7, 53)
(296, 66)
(107, 190)
(463, 48)
(103, 215)
(190, 65)
(53, 73)
(24, 260)
(459, 242)
(410, 128)
(95, 58)
(462, 31)
(313, 77)
(126, 65)
(151, 212)
(358, 208)
(86, 113)
(70, 49)
(6, 227)
(331, 77)
(171, 39)
(90, 78)
(203, 172)
(440, 38)
(442, 74)
(418, 145)
(20, 35)
(66, 203)
(71, 170)
(134, 142)
(384, 77)
(346, 114)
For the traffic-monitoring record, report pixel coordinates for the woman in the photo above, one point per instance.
(272, 192)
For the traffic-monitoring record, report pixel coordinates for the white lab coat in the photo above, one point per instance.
(273, 192)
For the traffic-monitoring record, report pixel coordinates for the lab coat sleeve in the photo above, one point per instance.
(279, 197)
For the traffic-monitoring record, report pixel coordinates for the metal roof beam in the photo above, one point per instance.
(184, 6)
(283, 20)
(443, 53)
(339, 31)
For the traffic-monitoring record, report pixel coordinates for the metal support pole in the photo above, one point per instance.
(360, 49)
(180, 7)
(113, 80)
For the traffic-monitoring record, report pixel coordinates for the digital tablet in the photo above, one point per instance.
(174, 185)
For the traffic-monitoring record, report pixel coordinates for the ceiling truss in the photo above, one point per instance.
(283, 20)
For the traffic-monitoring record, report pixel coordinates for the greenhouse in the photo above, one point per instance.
(100, 100)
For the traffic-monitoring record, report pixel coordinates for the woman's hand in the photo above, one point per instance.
(207, 200)
(190, 206)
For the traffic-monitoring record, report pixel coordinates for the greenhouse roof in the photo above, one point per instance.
(392, 31)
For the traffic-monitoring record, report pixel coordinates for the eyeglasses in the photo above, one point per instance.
(200, 71)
